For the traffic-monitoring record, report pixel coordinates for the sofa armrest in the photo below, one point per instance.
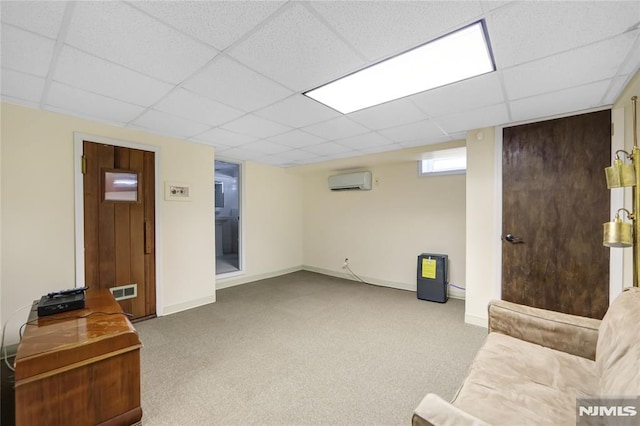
(556, 330)
(435, 411)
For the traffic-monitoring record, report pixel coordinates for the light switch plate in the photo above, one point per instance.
(177, 191)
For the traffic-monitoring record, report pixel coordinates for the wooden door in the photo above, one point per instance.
(119, 223)
(554, 203)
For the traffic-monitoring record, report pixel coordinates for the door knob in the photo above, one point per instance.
(513, 239)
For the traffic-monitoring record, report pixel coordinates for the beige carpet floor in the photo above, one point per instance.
(303, 349)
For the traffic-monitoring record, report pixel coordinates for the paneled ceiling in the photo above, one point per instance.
(231, 73)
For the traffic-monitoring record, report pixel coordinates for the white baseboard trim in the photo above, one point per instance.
(179, 307)
(11, 351)
(453, 292)
(474, 320)
(456, 293)
(245, 279)
(384, 283)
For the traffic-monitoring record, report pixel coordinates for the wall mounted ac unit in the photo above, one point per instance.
(360, 181)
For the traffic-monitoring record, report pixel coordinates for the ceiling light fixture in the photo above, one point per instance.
(459, 55)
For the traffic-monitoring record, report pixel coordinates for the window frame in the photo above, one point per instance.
(442, 154)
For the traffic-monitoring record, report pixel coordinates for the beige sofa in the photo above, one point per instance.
(534, 363)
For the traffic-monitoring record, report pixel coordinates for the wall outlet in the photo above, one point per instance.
(346, 262)
(177, 191)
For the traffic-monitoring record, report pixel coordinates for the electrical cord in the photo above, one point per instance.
(458, 287)
(6, 359)
(46, 319)
(4, 329)
(346, 266)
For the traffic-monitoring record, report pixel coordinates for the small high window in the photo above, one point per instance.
(444, 161)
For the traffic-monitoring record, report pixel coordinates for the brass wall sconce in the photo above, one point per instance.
(619, 233)
(620, 174)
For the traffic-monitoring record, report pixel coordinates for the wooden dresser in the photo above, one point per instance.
(79, 367)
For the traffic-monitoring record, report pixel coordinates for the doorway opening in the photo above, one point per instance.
(227, 213)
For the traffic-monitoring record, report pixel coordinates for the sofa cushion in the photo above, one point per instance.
(618, 347)
(512, 381)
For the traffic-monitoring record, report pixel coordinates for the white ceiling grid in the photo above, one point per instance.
(231, 73)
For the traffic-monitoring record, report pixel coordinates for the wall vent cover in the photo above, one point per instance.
(125, 291)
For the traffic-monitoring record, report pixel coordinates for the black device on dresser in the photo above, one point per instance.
(61, 301)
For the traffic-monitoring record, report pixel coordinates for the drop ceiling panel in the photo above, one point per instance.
(22, 86)
(460, 136)
(297, 50)
(25, 51)
(574, 99)
(136, 40)
(632, 62)
(191, 106)
(297, 139)
(296, 155)
(367, 140)
(157, 66)
(484, 117)
(425, 142)
(168, 124)
(336, 128)
(266, 147)
(23, 102)
(348, 154)
(297, 111)
(274, 160)
(243, 154)
(327, 148)
(42, 17)
(380, 29)
(523, 31)
(224, 137)
(421, 130)
(97, 75)
(89, 105)
(490, 5)
(218, 23)
(466, 95)
(226, 81)
(381, 148)
(255, 126)
(390, 114)
(568, 69)
(616, 87)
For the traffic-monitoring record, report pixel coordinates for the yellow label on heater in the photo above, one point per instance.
(429, 268)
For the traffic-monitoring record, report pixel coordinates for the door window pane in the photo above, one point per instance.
(120, 186)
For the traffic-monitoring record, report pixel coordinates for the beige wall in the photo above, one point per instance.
(483, 229)
(272, 223)
(382, 231)
(38, 210)
(290, 218)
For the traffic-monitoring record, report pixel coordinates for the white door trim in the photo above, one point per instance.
(78, 138)
(616, 256)
(241, 203)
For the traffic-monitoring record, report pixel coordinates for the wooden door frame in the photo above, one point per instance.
(616, 257)
(78, 139)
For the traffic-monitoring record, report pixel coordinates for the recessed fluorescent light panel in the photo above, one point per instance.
(459, 55)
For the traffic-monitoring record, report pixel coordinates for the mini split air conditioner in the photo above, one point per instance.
(360, 181)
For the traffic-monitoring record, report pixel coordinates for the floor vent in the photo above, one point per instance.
(125, 291)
